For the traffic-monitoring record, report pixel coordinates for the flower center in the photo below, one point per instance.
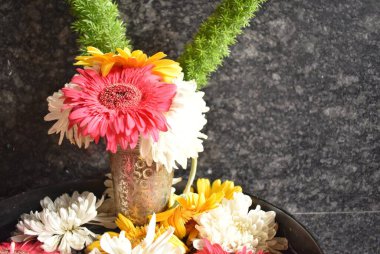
(120, 96)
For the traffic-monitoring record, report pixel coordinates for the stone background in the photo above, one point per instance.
(294, 110)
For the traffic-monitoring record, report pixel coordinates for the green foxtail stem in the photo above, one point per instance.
(98, 24)
(193, 172)
(205, 53)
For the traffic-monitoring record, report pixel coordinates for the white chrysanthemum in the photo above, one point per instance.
(121, 245)
(183, 140)
(233, 226)
(61, 116)
(59, 226)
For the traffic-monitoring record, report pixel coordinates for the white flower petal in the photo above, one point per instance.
(59, 225)
(183, 140)
(151, 230)
(233, 226)
(50, 243)
(116, 245)
(58, 113)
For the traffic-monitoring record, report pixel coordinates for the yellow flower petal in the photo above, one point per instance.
(124, 224)
(106, 68)
(156, 57)
(216, 185)
(93, 50)
(83, 63)
(165, 62)
(192, 204)
(165, 68)
(203, 186)
(165, 215)
(228, 187)
(126, 53)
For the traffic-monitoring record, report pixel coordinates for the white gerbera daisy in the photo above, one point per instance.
(61, 116)
(233, 226)
(59, 226)
(121, 245)
(183, 140)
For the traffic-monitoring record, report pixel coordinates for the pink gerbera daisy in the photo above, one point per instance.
(121, 106)
(23, 248)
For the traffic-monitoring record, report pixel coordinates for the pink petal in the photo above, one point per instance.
(121, 123)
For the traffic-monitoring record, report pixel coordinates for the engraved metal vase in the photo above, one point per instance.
(140, 190)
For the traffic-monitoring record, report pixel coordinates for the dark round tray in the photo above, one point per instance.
(300, 240)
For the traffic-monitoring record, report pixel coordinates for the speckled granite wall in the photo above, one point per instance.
(294, 110)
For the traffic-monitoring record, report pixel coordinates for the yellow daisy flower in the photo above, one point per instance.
(228, 187)
(136, 234)
(190, 205)
(181, 215)
(165, 68)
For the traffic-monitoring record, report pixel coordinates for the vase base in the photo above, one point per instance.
(140, 190)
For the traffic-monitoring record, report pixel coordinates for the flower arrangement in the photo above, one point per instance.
(194, 222)
(150, 113)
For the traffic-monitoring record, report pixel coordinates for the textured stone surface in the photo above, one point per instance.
(294, 110)
(345, 233)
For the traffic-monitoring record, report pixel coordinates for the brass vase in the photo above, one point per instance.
(140, 190)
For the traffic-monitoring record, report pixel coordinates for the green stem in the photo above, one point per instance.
(192, 174)
(98, 24)
(205, 53)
